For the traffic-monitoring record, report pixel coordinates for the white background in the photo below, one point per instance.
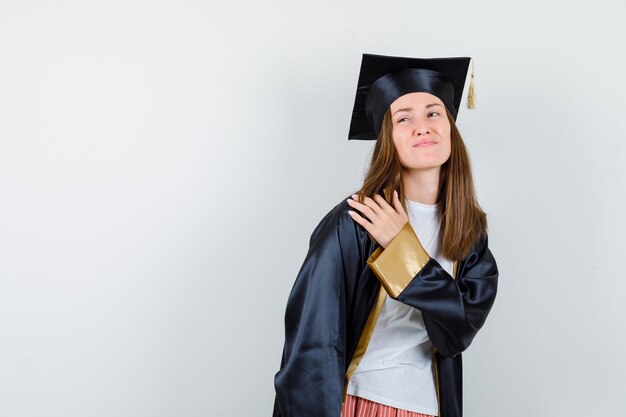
(162, 165)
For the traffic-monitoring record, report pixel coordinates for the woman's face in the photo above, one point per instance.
(421, 130)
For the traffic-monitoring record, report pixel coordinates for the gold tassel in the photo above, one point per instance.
(471, 95)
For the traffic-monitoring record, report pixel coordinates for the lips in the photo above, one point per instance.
(424, 143)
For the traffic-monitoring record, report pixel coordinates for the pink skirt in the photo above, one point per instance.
(362, 407)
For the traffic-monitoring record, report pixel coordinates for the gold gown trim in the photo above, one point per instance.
(397, 264)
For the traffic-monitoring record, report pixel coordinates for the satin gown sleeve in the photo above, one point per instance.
(311, 377)
(453, 310)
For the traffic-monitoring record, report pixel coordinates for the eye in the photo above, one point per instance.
(402, 118)
(433, 112)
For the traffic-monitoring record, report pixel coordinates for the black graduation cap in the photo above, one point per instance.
(385, 78)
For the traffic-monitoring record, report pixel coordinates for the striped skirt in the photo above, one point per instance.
(362, 407)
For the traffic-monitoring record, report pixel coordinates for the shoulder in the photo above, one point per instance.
(338, 220)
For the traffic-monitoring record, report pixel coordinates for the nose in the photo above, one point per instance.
(421, 129)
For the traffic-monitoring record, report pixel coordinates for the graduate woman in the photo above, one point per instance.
(398, 277)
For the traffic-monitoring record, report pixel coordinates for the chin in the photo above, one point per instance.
(421, 167)
(425, 164)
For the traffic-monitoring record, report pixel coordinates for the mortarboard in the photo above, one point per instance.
(385, 78)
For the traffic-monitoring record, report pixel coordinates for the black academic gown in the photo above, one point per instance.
(337, 295)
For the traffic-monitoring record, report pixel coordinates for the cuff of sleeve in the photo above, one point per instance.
(396, 265)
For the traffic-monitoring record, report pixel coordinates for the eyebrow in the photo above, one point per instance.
(428, 106)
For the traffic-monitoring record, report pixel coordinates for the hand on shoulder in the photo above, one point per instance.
(382, 221)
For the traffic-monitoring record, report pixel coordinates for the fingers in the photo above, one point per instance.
(378, 205)
(368, 208)
(381, 220)
(382, 202)
(397, 204)
(360, 220)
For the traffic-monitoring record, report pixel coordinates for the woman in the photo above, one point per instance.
(398, 278)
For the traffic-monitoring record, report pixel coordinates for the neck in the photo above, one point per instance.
(421, 185)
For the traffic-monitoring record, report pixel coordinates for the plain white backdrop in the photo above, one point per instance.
(163, 164)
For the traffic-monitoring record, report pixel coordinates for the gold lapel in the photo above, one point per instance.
(364, 339)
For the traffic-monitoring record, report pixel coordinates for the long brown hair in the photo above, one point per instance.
(462, 219)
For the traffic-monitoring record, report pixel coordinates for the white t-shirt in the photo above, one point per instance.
(396, 369)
